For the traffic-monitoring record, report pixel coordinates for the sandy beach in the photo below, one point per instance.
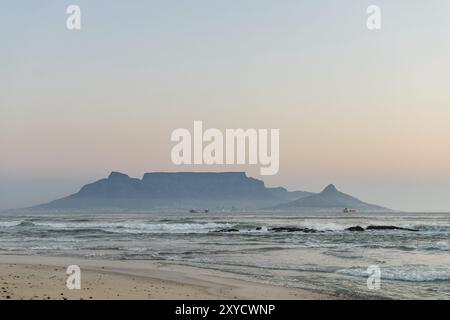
(36, 277)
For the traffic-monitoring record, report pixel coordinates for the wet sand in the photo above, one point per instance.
(35, 277)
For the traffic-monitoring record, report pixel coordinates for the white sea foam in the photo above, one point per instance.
(262, 229)
(9, 224)
(261, 253)
(441, 246)
(136, 228)
(411, 273)
(50, 248)
(325, 226)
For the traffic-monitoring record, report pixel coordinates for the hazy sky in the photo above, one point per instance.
(366, 110)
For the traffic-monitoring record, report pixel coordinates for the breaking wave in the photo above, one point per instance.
(135, 228)
(412, 273)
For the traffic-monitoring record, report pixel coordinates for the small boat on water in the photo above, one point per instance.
(348, 210)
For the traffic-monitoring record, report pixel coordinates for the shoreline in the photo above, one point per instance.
(44, 278)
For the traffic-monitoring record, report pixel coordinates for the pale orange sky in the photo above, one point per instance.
(368, 111)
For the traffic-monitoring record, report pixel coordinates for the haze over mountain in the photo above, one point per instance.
(175, 191)
(330, 198)
(185, 190)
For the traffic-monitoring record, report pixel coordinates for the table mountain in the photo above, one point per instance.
(175, 191)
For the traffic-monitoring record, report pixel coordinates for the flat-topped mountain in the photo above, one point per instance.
(201, 190)
(330, 198)
(179, 190)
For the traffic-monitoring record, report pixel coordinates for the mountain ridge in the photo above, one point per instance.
(330, 198)
(174, 190)
(184, 190)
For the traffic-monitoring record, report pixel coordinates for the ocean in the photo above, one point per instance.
(313, 251)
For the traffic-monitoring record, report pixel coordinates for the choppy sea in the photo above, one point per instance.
(309, 251)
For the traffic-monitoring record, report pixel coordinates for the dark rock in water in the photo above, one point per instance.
(292, 229)
(355, 228)
(359, 228)
(285, 229)
(389, 228)
(227, 230)
(308, 230)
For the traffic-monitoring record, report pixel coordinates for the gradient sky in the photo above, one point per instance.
(368, 111)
